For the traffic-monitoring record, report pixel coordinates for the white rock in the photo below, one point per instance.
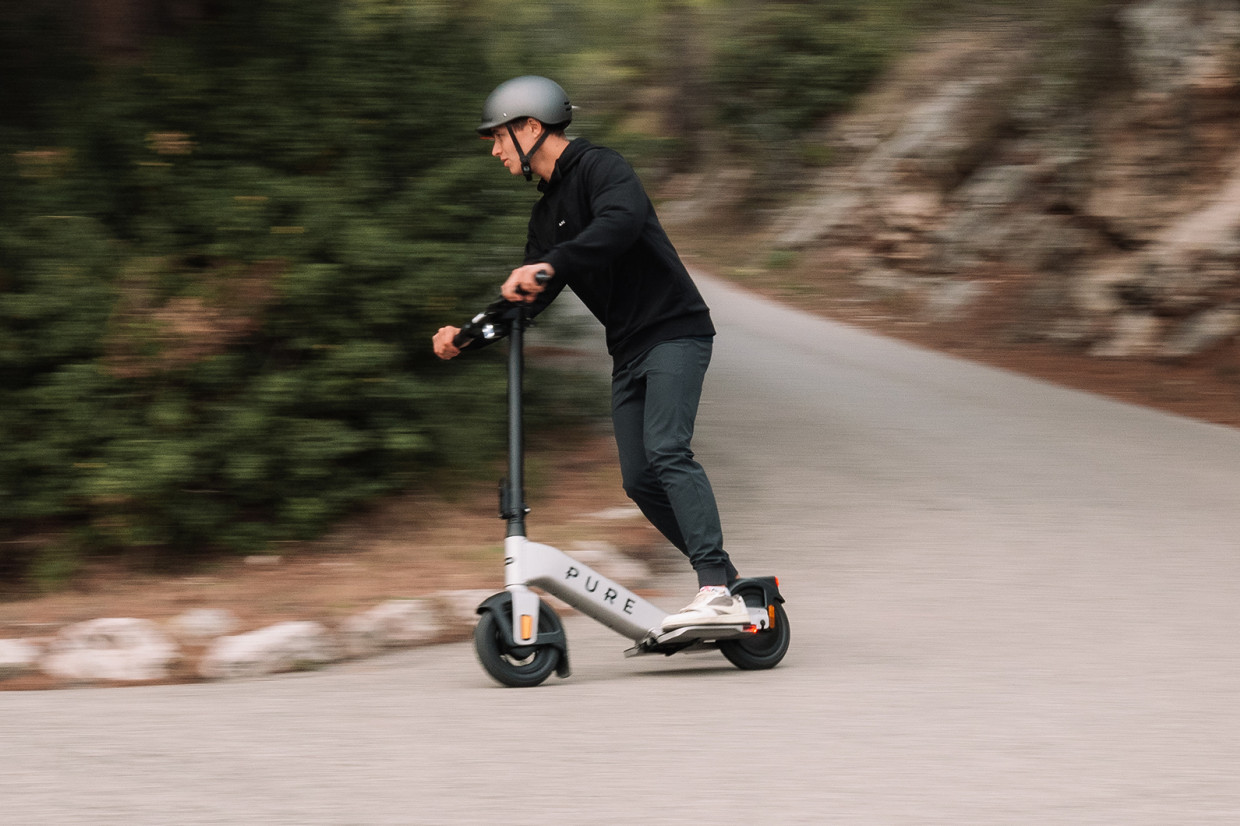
(1204, 331)
(203, 623)
(1135, 334)
(459, 609)
(887, 283)
(949, 300)
(617, 513)
(285, 646)
(391, 624)
(111, 649)
(1096, 293)
(17, 657)
(913, 211)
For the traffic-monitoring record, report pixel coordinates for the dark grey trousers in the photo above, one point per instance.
(654, 402)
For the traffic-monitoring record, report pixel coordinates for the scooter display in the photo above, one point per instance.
(519, 638)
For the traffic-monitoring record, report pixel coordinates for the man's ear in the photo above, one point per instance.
(535, 126)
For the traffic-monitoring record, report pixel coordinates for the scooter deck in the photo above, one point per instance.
(689, 637)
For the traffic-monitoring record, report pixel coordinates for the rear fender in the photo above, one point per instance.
(767, 585)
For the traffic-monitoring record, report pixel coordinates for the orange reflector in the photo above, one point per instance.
(770, 612)
(776, 582)
(527, 626)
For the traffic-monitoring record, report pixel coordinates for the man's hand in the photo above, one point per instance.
(523, 284)
(442, 341)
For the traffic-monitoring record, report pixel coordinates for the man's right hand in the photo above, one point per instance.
(523, 284)
(442, 342)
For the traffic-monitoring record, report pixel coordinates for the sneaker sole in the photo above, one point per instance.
(734, 619)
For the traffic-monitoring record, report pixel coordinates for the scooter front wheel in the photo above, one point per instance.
(521, 666)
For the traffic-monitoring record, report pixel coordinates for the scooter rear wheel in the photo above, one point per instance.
(764, 649)
(517, 666)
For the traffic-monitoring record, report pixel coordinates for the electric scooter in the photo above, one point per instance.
(519, 638)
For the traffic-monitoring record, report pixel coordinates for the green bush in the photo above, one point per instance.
(219, 274)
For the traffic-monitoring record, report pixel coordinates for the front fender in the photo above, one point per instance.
(550, 630)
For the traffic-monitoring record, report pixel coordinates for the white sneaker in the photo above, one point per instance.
(709, 608)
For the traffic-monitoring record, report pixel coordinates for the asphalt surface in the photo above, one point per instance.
(1010, 604)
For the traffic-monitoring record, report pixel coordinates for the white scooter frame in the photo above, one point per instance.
(532, 565)
(520, 640)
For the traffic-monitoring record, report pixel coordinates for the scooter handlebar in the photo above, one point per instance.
(493, 322)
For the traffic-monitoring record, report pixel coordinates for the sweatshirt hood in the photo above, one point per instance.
(569, 158)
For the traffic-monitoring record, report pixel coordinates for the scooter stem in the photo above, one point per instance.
(514, 509)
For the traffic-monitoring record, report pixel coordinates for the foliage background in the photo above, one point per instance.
(230, 228)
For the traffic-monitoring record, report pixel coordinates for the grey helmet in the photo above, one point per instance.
(528, 96)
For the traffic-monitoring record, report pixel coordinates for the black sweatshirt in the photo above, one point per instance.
(596, 226)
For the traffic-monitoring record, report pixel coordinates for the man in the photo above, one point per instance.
(594, 230)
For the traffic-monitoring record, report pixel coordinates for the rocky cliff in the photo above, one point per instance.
(1083, 193)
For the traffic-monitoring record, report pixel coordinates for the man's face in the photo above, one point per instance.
(503, 148)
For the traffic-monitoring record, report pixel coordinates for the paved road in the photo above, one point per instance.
(1011, 604)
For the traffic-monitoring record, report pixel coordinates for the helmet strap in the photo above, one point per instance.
(522, 154)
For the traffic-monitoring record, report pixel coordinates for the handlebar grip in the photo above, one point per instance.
(471, 329)
(542, 277)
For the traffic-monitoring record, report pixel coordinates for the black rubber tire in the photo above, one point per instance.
(522, 667)
(755, 652)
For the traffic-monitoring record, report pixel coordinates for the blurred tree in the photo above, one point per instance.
(784, 65)
(686, 108)
(40, 59)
